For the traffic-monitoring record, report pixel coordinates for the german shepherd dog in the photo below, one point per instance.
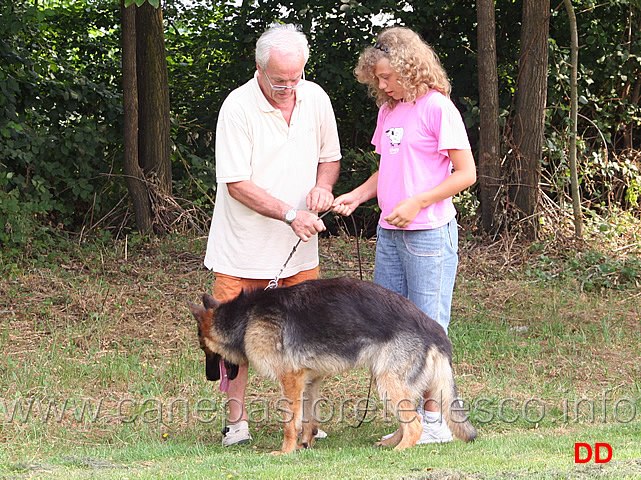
(300, 334)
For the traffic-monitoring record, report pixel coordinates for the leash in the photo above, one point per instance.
(369, 395)
(274, 282)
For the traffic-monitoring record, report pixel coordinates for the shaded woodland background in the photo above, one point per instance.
(108, 111)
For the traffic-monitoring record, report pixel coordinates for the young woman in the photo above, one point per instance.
(425, 159)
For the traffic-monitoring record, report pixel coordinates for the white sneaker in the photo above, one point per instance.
(434, 431)
(236, 434)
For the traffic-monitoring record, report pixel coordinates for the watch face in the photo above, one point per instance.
(290, 216)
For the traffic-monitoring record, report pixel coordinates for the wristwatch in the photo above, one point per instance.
(290, 216)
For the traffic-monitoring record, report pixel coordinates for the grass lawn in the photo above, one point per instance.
(101, 375)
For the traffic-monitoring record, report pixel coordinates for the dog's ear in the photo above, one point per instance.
(210, 302)
(212, 367)
(196, 310)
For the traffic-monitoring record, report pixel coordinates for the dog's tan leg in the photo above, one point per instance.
(292, 384)
(410, 425)
(410, 428)
(310, 415)
(388, 390)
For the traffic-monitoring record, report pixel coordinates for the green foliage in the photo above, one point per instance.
(211, 51)
(606, 181)
(58, 127)
(609, 113)
(194, 175)
(17, 217)
(591, 270)
(140, 3)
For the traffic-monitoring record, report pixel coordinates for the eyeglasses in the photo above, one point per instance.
(282, 88)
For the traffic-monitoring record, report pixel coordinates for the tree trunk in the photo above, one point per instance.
(489, 162)
(574, 108)
(153, 93)
(529, 119)
(134, 174)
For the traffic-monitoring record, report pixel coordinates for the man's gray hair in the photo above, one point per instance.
(283, 37)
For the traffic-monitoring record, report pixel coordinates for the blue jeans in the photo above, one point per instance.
(420, 265)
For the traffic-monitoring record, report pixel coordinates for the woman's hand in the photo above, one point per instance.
(404, 212)
(346, 203)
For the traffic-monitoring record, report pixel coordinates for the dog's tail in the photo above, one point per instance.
(451, 406)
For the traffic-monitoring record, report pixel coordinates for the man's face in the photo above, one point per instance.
(282, 70)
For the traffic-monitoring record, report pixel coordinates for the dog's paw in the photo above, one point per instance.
(285, 452)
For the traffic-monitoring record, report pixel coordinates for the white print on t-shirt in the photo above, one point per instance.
(395, 135)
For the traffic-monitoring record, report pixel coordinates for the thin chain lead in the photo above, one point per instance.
(274, 282)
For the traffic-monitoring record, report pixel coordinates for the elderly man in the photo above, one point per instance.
(277, 159)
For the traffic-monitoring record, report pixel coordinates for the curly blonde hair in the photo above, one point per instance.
(414, 61)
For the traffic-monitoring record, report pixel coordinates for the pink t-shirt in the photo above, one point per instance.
(413, 140)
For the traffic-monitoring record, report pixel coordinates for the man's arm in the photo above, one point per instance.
(252, 196)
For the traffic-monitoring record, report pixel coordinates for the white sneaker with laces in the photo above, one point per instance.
(236, 434)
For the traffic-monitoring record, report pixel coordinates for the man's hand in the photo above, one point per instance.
(307, 225)
(319, 199)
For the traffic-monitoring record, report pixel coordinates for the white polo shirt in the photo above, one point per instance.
(254, 142)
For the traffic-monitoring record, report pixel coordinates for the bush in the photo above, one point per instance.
(58, 128)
